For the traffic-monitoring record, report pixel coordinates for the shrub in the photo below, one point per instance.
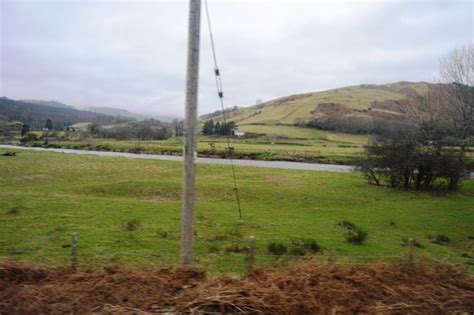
(236, 248)
(356, 236)
(29, 137)
(440, 239)
(277, 248)
(303, 246)
(405, 156)
(9, 153)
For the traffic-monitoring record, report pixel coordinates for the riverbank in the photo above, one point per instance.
(256, 163)
(338, 151)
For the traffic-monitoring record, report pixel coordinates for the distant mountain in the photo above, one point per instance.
(36, 115)
(118, 112)
(163, 118)
(48, 103)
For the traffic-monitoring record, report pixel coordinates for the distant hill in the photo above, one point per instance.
(361, 102)
(123, 113)
(118, 112)
(36, 115)
(48, 103)
(164, 118)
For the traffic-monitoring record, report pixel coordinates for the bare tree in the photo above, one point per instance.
(430, 148)
(457, 68)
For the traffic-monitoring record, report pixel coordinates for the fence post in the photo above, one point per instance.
(250, 259)
(74, 252)
(163, 250)
(411, 243)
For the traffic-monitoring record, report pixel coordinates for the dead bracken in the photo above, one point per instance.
(307, 287)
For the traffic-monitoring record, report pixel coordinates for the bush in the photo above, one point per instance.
(236, 248)
(440, 239)
(303, 246)
(277, 248)
(29, 137)
(415, 155)
(356, 236)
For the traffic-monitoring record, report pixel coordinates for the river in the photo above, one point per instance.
(200, 160)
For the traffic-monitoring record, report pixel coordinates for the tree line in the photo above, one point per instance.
(223, 129)
(149, 129)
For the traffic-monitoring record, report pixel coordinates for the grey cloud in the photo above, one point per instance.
(131, 54)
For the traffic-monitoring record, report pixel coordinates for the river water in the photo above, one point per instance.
(256, 163)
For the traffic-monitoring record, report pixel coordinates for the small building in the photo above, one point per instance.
(238, 133)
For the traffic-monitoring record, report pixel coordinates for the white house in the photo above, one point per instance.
(238, 133)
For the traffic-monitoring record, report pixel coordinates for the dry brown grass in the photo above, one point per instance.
(300, 288)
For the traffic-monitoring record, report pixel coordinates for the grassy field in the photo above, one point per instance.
(265, 148)
(82, 126)
(280, 143)
(289, 131)
(126, 210)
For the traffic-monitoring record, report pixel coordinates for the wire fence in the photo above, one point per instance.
(234, 253)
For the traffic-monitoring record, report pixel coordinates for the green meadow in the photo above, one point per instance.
(301, 106)
(284, 143)
(127, 211)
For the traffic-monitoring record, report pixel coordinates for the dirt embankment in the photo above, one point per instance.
(302, 288)
(378, 109)
(332, 110)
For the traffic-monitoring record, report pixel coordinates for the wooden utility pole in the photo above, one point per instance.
(190, 133)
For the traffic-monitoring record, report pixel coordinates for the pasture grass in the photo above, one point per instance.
(128, 211)
(288, 131)
(301, 107)
(285, 143)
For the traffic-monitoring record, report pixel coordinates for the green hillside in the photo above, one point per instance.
(48, 103)
(116, 112)
(388, 101)
(35, 115)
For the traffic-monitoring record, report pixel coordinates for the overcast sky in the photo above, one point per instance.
(132, 54)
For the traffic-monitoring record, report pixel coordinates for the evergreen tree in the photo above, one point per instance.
(49, 124)
(208, 128)
(25, 129)
(218, 128)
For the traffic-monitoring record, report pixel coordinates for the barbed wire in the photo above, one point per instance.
(233, 255)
